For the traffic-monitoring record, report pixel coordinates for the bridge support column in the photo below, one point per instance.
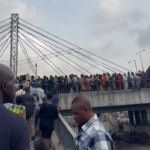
(131, 118)
(144, 117)
(137, 117)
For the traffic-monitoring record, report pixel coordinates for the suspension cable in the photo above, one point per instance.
(96, 61)
(47, 58)
(26, 55)
(3, 26)
(4, 36)
(67, 63)
(4, 20)
(5, 30)
(55, 55)
(71, 48)
(38, 54)
(63, 55)
(5, 49)
(4, 44)
(70, 60)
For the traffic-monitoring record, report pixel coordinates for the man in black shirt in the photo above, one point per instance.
(14, 134)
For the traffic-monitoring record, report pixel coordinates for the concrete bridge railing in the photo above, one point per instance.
(65, 133)
(110, 99)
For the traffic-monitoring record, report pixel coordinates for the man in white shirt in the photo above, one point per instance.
(21, 91)
(40, 93)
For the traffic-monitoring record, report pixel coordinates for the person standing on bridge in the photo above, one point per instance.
(91, 133)
(14, 134)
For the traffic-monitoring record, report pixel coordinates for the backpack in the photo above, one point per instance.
(29, 104)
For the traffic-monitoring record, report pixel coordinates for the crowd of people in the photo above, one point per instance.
(37, 108)
(23, 107)
(98, 82)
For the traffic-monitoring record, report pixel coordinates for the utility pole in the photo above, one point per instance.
(14, 44)
(141, 58)
(135, 64)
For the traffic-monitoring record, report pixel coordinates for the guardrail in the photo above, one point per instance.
(97, 86)
(65, 134)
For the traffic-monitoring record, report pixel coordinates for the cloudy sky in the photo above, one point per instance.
(112, 29)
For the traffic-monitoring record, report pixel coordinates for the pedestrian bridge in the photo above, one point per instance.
(109, 101)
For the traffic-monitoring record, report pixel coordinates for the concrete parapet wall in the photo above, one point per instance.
(108, 98)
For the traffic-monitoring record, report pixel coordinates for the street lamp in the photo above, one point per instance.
(141, 58)
(135, 64)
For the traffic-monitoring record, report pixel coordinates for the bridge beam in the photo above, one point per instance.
(131, 117)
(14, 44)
(144, 117)
(137, 117)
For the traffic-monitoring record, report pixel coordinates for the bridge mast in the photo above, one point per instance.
(14, 44)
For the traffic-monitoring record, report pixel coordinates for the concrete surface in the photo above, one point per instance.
(108, 98)
(55, 145)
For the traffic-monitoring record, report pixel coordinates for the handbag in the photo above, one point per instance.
(38, 142)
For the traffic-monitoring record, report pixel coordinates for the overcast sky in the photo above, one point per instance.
(112, 29)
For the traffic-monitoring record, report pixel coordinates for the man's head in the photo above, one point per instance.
(81, 109)
(49, 96)
(7, 88)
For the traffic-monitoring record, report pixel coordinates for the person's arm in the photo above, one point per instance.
(24, 114)
(102, 142)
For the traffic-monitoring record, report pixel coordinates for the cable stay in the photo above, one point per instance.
(46, 57)
(68, 64)
(4, 30)
(4, 36)
(4, 44)
(63, 55)
(5, 49)
(96, 61)
(27, 57)
(4, 20)
(1, 27)
(51, 56)
(71, 44)
(68, 59)
(39, 55)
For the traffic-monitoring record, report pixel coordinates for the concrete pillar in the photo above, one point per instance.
(144, 117)
(131, 118)
(137, 117)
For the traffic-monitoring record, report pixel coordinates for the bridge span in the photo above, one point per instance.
(109, 101)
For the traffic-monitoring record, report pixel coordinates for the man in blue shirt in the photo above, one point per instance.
(91, 134)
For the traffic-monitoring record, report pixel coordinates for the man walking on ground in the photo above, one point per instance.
(92, 134)
(14, 134)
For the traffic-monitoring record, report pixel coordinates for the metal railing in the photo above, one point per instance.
(97, 86)
(65, 134)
